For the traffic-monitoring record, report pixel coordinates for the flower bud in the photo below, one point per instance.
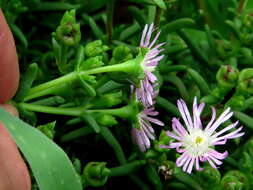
(48, 129)
(91, 63)
(245, 81)
(107, 100)
(95, 48)
(209, 177)
(227, 76)
(121, 54)
(234, 180)
(68, 32)
(96, 174)
(106, 120)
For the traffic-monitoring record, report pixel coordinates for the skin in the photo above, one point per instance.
(14, 174)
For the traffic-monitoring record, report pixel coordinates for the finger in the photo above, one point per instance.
(13, 171)
(9, 70)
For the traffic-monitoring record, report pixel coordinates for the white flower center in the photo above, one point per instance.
(196, 143)
(145, 63)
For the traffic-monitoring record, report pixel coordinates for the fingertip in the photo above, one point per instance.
(9, 69)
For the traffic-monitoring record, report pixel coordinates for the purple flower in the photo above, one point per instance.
(146, 92)
(197, 143)
(143, 132)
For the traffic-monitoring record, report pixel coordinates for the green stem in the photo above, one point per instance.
(40, 90)
(51, 101)
(109, 20)
(113, 142)
(61, 80)
(123, 112)
(127, 67)
(126, 169)
(52, 110)
(47, 91)
(76, 134)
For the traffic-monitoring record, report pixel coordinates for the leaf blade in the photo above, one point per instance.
(49, 163)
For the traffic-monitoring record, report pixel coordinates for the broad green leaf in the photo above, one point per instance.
(51, 167)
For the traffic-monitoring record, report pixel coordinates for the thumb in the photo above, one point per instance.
(9, 70)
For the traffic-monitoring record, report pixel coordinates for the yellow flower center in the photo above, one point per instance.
(198, 140)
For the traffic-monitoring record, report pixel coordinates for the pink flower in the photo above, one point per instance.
(197, 143)
(146, 92)
(143, 132)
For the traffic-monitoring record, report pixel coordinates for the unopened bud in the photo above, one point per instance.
(68, 32)
(96, 174)
(95, 48)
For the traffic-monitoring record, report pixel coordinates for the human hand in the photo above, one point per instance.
(14, 174)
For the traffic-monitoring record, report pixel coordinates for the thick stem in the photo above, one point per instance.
(61, 80)
(52, 110)
(124, 112)
(48, 87)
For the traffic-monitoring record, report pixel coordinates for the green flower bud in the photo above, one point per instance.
(227, 76)
(121, 54)
(91, 63)
(68, 32)
(107, 100)
(95, 48)
(107, 120)
(245, 81)
(234, 180)
(209, 177)
(96, 174)
(48, 129)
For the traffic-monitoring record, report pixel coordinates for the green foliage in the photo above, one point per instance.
(48, 162)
